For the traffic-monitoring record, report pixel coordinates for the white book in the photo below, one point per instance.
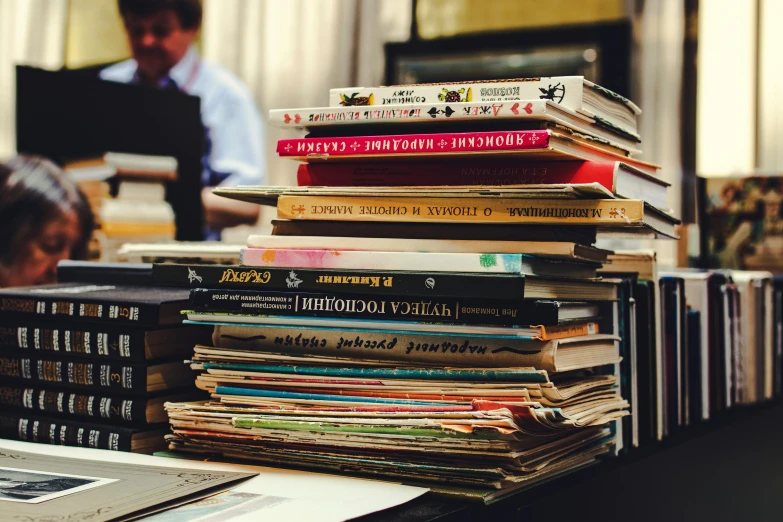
(418, 261)
(573, 92)
(523, 111)
(757, 357)
(556, 249)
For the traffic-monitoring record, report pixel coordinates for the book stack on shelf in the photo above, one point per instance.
(139, 211)
(407, 321)
(92, 365)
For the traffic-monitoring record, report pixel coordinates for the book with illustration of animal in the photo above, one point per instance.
(573, 92)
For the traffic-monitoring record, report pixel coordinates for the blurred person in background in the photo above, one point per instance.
(44, 218)
(161, 34)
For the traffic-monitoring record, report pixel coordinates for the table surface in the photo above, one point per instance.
(729, 468)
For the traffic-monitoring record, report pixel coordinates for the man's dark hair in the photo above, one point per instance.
(188, 11)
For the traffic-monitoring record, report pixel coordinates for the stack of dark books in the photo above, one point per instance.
(90, 364)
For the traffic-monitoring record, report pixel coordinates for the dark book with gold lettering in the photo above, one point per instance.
(146, 307)
(463, 285)
(487, 311)
(50, 430)
(125, 378)
(101, 407)
(99, 341)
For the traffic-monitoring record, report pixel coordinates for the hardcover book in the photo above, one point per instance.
(481, 311)
(532, 145)
(619, 178)
(553, 249)
(418, 261)
(381, 282)
(548, 313)
(573, 92)
(581, 234)
(101, 407)
(30, 427)
(607, 213)
(145, 307)
(558, 355)
(129, 379)
(456, 115)
(99, 342)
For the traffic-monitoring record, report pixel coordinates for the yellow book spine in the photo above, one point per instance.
(549, 333)
(139, 229)
(462, 210)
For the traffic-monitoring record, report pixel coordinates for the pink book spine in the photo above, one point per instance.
(406, 144)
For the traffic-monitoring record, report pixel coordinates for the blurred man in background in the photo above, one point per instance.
(161, 35)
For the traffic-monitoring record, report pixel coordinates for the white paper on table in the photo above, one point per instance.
(313, 496)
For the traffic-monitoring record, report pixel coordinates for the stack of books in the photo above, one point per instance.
(139, 210)
(92, 364)
(432, 310)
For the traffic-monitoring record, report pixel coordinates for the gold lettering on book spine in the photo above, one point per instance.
(231, 275)
(10, 367)
(91, 310)
(11, 396)
(8, 337)
(12, 304)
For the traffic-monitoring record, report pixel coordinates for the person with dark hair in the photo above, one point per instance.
(45, 218)
(161, 35)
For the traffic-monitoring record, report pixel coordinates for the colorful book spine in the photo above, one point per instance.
(100, 407)
(521, 112)
(414, 144)
(447, 310)
(53, 309)
(32, 428)
(565, 90)
(85, 375)
(407, 112)
(362, 282)
(462, 210)
(86, 342)
(521, 375)
(410, 261)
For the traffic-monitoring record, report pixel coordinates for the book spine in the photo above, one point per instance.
(32, 428)
(125, 378)
(568, 330)
(455, 173)
(448, 310)
(437, 111)
(411, 261)
(566, 90)
(414, 144)
(55, 309)
(462, 210)
(92, 343)
(362, 282)
(74, 404)
(457, 350)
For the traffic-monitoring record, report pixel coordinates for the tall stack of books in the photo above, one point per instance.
(430, 308)
(92, 364)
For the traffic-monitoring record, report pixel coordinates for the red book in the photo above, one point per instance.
(531, 144)
(618, 177)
